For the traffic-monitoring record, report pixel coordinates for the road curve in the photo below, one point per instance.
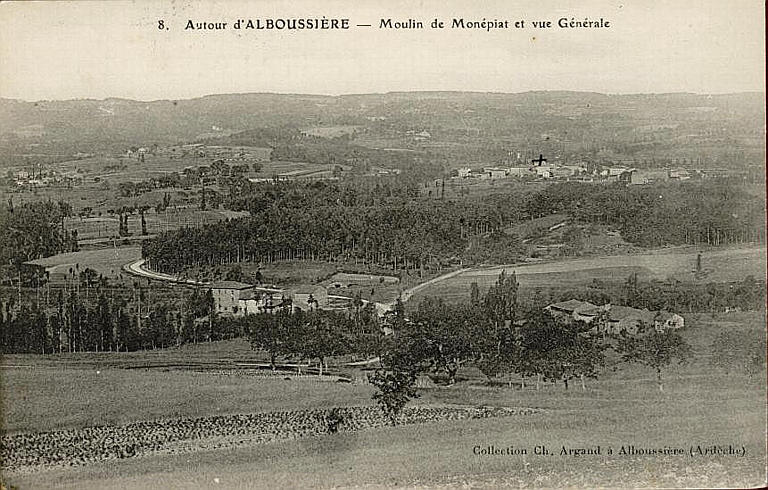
(136, 269)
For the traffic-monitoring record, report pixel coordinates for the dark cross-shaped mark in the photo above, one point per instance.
(539, 160)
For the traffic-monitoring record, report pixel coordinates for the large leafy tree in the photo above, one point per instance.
(320, 334)
(656, 349)
(395, 387)
(558, 351)
(271, 333)
(501, 300)
(403, 358)
(448, 334)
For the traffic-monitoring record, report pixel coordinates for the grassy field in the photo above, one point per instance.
(171, 219)
(287, 169)
(106, 261)
(122, 387)
(730, 264)
(699, 406)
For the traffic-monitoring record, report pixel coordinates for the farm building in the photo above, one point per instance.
(227, 296)
(618, 318)
(519, 171)
(561, 172)
(574, 310)
(544, 171)
(252, 302)
(667, 320)
(613, 171)
(680, 174)
(626, 319)
(640, 177)
(309, 297)
(576, 169)
(494, 173)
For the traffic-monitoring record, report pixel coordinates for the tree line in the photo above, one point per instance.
(493, 332)
(34, 230)
(712, 212)
(107, 320)
(373, 224)
(746, 295)
(401, 236)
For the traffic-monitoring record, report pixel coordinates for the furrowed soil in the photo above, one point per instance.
(710, 417)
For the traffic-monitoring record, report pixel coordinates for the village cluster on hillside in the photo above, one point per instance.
(586, 172)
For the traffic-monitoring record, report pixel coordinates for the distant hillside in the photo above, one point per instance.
(625, 125)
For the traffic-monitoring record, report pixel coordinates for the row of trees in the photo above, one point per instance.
(671, 295)
(500, 339)
(107, 320)
(33, 230)
(493, 333)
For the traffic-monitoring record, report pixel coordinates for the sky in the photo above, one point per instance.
(67, 50)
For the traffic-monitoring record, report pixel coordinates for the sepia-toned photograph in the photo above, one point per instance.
(382, 244)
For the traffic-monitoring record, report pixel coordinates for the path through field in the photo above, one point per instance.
(137, 268)
(408, 293)
(732, 264)
(657, 262)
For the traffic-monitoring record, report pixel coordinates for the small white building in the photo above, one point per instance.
(680, 174)
(544, 171)
(616, 171)
(665, 320)
(495, 173)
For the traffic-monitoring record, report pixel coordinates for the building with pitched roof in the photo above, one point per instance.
(227, 296)
(617, 318)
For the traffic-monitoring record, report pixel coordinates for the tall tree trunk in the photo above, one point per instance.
(452, 375)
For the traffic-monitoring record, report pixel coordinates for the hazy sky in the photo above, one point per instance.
(68, 50)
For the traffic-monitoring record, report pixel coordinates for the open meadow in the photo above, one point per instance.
(718, 265)
(102, 229)
(105, 261)
(701, 407)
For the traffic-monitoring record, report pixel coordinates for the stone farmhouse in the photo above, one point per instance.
(616, 318)
(233, 298)
(230, 297)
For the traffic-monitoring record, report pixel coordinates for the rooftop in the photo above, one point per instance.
(573, 305)
(618, 313)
